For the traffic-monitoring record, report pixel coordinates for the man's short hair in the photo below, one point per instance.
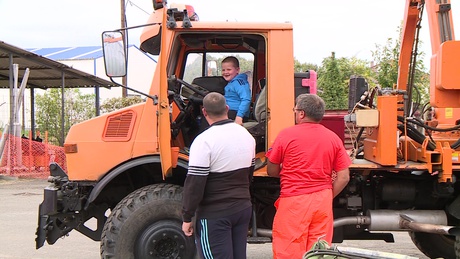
(313, 106)
(233, 60)
(215, 105)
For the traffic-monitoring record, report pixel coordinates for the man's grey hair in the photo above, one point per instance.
(313, 106)
(214, 104)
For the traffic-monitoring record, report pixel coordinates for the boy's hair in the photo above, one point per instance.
(233, 60)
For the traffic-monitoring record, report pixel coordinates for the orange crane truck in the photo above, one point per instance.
(126, 169)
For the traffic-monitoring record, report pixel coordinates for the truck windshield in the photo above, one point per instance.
(197, 66)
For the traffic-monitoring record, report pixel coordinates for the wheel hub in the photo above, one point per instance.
(163, 241)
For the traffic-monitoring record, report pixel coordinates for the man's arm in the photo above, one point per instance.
(343, 176)
(273, 169)
(193, 194)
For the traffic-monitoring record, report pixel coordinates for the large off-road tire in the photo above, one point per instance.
(147, 224)
(434, 245)
(457, 247)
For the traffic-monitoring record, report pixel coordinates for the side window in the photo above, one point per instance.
(193, 66)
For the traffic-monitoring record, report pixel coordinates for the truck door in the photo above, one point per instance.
(163, 118)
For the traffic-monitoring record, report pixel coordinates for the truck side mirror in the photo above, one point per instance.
(114, 50)
(211, 68)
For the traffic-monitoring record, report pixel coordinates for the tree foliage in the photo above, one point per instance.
(304, 67)
(331, 84)
(116, 103)
(78, 107)
(387, 58)
(334, 76)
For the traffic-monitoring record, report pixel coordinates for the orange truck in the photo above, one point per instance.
(126, 169)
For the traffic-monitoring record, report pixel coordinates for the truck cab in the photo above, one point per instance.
(129, 172)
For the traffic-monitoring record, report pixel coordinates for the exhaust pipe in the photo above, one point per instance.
(356, 220)
(407, 222)
(429, 221)
(389, 220)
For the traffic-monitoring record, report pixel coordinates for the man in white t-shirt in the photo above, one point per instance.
(221, 164)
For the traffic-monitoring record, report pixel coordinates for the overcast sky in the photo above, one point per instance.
(348, 28)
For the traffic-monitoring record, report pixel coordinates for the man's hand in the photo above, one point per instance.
(239, 120)
(343, 177)
(187, 228)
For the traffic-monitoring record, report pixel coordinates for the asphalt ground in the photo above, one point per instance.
(19, 200)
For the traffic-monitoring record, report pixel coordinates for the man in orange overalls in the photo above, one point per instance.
(304, 157)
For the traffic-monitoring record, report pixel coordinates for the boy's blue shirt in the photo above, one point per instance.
(238, 95)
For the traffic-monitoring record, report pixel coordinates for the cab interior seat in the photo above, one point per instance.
(211, 83)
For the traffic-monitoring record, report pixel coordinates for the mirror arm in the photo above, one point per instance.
(154, 97)
(138, 26)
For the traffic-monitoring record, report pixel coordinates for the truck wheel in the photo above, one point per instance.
(147, 224)
(434, 245)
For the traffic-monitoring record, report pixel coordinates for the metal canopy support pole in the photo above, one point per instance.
(98, 105)
(11, 94)
(97, 101)
(61, 142)
(32, 111)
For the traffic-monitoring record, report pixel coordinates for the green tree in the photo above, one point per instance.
(116, 103)
(77, 108)
(387, 58)
(303, 67)
(332, 85)
(334, 77)
(358, 67)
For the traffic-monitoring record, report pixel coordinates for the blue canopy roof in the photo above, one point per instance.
(89, 52)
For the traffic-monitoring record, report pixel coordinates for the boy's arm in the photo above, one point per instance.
(239, 120)
(244, 92)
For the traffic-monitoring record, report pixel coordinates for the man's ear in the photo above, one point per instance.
(302, 115)
(205, 114)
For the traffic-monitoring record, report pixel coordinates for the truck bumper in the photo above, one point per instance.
(46, 221)
(55, 219)
(62, 209)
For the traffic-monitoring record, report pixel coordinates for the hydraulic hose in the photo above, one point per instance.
(414, 134)
(418, 122)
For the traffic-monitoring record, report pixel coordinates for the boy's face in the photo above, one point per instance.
(229, 71)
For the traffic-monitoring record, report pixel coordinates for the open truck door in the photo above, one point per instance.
(163, 117)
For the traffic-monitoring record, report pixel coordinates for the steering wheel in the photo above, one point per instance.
(195, 88)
